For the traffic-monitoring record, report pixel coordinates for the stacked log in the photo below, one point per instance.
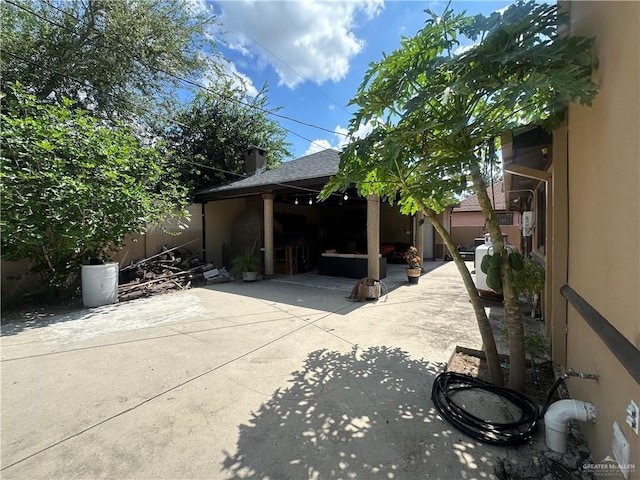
(171, 269)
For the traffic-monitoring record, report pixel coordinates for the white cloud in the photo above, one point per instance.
(199, 6)
(318, 146)
(314, 39)
(240, 80)
(341, 140)
(460, 49)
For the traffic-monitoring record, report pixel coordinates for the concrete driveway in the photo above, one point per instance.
(266, 380)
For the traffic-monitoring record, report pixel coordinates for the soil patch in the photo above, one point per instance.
(533, 460)
(539, 378)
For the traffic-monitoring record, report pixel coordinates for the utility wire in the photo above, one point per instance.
(177, 77)
(294, 71)
(188, 127)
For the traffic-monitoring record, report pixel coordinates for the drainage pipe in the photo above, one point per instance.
(558, 415)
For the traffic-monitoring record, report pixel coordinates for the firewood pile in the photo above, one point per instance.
(171, 269)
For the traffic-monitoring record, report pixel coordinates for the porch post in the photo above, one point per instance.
(373, 236)
(420, 237)
(268, 234)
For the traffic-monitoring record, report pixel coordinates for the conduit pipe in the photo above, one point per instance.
(558, 415)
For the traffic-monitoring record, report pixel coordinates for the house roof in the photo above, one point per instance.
(471, 204)
(315, 168)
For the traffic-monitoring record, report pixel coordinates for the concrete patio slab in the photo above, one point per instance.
(270, 380)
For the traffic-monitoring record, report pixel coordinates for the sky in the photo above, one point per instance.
(313, 54)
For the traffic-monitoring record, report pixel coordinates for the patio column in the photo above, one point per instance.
(420, 237)
(269, 254)
(373, 236)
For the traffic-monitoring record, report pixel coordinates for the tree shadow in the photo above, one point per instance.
(318, 292)
(364, 415)
(19, 321)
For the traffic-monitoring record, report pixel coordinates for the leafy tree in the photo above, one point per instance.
(74, 186)
(213, 131)
(124, 53)
(435, 109)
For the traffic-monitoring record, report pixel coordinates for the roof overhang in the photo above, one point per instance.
(303, 186)
(526, 157)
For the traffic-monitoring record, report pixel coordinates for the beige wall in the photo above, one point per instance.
(604, 216)
(466, 235)
(16, 282)
(169, 235)
(220, 216)
(439, 248)
(467, 219)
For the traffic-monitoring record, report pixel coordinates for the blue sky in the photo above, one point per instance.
(313, 54)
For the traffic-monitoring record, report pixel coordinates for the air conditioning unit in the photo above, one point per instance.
(527, 223)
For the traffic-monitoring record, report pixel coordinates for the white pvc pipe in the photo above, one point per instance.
(557, 417)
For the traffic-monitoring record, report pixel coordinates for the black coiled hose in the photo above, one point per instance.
(446, 384)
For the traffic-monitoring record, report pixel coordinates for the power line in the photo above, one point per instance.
(171, 120)
(294, 71)
(177, 77)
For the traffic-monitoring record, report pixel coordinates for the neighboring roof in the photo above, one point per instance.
(470, 204)
(317, 166)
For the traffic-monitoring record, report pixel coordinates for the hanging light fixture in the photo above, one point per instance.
(295, 202)
(310, 201)
(346, 197)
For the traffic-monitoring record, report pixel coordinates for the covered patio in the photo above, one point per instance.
(277, 212)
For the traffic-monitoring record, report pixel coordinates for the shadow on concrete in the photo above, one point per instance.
(319, 292)
(17, 322)
(363, 415)
(308, 290)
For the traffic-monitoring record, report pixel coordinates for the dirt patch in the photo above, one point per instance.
(538, 379)
(533, 460)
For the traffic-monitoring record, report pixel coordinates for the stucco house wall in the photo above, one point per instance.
(467, 221)
(220, 216)
(603, 171)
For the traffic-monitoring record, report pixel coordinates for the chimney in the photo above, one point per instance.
(255, 160)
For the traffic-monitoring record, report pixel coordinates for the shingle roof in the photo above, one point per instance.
(318, 165)
(471, 204)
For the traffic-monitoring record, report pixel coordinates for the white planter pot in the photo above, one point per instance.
(99, 284)
(249, 276)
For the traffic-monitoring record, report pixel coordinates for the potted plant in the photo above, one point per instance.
(246, 266)
(414, 268)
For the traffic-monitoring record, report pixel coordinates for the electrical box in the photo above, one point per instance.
(621, 450)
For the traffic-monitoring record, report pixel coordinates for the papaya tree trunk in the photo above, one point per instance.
(512, 311)
(486, 333)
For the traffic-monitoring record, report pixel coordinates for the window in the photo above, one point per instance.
(505, 218)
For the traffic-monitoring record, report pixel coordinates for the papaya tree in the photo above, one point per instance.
(437, 106)
(389, 163)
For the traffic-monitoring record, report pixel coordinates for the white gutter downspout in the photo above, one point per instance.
(557, 416)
